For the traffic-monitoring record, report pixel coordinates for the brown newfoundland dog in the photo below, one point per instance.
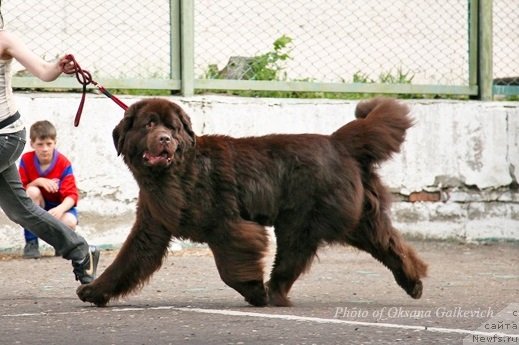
(313, 189)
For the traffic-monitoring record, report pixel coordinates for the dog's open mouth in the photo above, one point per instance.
(164, 158)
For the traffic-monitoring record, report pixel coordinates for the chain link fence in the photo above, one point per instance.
(112, 39)
(423, 42)
(506, 42)
(336, 41)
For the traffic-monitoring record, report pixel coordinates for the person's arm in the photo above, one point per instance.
(65, 205)
(67, 186)
(23, 173)
(50, 185)
(67, 189)
(11, 46)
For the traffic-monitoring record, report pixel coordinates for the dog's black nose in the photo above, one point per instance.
(165, 139)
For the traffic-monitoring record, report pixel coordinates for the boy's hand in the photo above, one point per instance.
(51, 186)
(57, 212)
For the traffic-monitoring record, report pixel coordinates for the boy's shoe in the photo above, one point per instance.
(85, 270)
(31, 250)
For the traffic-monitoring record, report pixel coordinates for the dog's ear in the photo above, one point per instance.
(119, 132)
(186, 123)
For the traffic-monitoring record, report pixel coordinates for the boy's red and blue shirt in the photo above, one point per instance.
(60, 169)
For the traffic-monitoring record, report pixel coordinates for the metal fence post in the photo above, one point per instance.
(485, 74)
(187, 47)
(473, 25)
(174, 39)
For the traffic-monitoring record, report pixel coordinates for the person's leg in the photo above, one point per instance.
(21, 209)
(35, 194)
(69, 218)
(29, 236)
(31, 250)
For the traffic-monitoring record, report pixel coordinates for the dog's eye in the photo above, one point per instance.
(150, 124)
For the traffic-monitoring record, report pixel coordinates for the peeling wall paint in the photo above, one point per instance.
(468, 151)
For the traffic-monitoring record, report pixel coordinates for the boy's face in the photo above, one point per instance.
(44, 149)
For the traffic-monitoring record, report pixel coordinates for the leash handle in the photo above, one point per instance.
(85, 78)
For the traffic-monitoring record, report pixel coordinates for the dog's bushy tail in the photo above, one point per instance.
(378, 131)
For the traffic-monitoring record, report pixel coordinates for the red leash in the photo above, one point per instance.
(85, 78)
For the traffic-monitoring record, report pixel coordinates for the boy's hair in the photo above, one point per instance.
(42, 130)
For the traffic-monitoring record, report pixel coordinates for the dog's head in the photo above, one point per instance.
(153, 135)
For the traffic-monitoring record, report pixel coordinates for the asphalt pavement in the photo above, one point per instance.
(470, 297)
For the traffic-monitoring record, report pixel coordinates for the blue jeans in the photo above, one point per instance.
(29, 236)
(22, 210)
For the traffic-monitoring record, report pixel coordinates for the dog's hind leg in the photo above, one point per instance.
(238, 252)
(385, 244)
(293, 257)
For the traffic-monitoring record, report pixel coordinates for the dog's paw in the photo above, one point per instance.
(415, 291)
(88, 293)
(255, 293)
(257, 301)
(276, 298)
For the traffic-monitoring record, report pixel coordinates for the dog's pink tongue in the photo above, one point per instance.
(152, 159)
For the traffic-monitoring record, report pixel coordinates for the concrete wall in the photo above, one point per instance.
(456, 176)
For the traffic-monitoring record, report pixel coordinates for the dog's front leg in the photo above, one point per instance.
(141, 255)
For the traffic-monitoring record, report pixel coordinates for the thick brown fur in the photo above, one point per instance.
(313, 189)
